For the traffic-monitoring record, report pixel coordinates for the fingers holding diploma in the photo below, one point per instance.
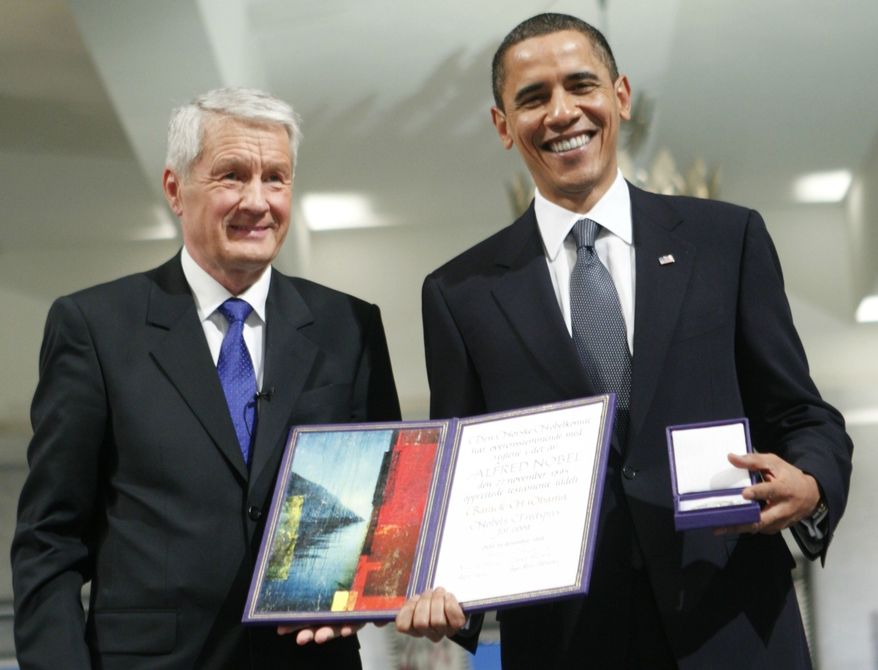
(319, 635)
(434, 614)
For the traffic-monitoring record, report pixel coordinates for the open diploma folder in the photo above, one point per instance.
(499, 509)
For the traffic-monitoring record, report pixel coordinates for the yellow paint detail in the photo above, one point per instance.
(284, 542)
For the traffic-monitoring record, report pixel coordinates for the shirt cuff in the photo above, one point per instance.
(812, 530)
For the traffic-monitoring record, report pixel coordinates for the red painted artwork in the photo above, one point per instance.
(385, 563)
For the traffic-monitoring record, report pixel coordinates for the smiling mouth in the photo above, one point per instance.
(250, 229)
(569, 144)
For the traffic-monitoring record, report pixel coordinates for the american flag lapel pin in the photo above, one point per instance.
(667, 259)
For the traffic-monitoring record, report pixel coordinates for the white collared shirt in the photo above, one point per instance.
(614, 246)
(209, 294)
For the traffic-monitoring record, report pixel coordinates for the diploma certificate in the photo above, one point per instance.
(500, 509)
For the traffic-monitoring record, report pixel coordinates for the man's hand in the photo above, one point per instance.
(319, 635)
(788, 494)
(433, 614)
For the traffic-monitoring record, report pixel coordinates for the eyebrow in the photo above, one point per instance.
(233, 162)
(226, 163)
(282, 167)
(573, 77)
(582, 76)
(527, 91)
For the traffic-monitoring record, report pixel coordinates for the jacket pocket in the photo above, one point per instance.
(135, 631)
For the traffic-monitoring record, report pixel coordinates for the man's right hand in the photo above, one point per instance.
(434, 614)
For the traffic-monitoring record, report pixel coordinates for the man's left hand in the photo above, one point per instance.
(788, 494)
(319, 635)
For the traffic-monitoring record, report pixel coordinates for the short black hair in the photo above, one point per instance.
(545, 24)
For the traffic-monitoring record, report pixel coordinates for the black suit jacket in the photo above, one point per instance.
(713, 339)
(137, 483)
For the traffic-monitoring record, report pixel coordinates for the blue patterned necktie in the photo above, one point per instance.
(598, 327)
(236, 375)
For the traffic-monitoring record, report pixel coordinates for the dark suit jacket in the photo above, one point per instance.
(713, 339)
(137, 483)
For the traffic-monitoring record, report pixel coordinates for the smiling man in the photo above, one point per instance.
(162, 411)
(234, 202)
(560, 101)
(677, 306)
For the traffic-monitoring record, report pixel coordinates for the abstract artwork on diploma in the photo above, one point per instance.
(347, 531)
(501, 509)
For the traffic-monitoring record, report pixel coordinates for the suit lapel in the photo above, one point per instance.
(289, 357)
(183, 355)
(525, 295)
(658, 296)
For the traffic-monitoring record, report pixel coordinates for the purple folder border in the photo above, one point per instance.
(437, 500)
(716, 516)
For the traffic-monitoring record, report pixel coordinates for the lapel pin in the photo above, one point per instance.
(667, 259)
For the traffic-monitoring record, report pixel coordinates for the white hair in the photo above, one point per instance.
(186, 128)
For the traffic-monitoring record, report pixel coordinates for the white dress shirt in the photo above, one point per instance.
(614, 246)
(209, 294)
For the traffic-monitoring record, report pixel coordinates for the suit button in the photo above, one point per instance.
(254, 512)
(628, 472)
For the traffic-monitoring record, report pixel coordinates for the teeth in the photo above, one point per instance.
(572, 143)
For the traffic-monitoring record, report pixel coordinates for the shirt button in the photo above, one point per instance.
(628, 472)
(254, 512)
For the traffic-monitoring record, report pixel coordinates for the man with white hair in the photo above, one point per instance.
(161, 414)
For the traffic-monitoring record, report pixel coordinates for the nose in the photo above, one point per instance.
(562, 110)
(253, 197)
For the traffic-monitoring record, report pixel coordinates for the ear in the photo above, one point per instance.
(498, 116)
(172, 187)
(623, 95)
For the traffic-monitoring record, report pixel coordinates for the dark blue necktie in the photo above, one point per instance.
(236, 375)
(598, 327)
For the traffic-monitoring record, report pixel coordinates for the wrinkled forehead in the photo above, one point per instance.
(219, 128)
(220, 132)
